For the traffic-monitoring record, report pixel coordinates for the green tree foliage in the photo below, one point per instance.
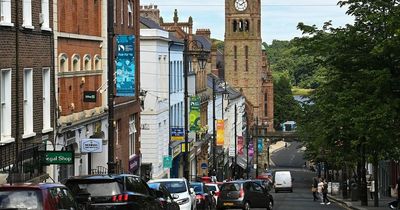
(355, 103)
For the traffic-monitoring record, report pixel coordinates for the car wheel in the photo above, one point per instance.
(276, 191)
(246, 206)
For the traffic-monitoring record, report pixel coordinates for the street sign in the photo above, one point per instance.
(204, 166)
(58, 157)
(167, 162)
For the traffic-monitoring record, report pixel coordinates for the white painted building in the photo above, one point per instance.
(154, 80)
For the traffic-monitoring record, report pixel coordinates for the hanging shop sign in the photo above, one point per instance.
(220, 132)
(89, 96)
(58, 157)
(134, 163)
(194, 113)
(176, 151)
(260, 144)
(92, 145)
(240, 145)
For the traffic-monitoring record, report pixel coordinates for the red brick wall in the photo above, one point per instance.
(80, 16)
(80, 47)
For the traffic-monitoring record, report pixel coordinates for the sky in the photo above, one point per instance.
(279, 17)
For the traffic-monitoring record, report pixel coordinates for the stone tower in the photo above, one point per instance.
(245, 64)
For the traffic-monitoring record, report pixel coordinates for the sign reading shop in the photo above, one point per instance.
(92, 145)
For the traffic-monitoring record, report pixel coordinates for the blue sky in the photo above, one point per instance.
(279, 17)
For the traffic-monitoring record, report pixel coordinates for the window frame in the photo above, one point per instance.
(132, 135)
(5, 12)
(5, 105)
(45, 12)
(46, 85)
(28, 103)
(27, 14)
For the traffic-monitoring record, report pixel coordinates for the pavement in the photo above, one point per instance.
(383, 203)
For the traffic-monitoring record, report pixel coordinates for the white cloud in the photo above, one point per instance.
(279, 17)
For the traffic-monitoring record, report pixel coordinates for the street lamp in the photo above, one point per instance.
(202, 57)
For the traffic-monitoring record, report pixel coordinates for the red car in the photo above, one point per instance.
(41, 196)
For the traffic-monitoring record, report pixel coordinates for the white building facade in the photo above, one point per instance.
(154, 61)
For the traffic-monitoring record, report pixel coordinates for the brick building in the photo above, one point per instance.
(26, 87)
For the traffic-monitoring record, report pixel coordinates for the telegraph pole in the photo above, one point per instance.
(186, 110)
(235, 139)
(214, 132)
(257, 146)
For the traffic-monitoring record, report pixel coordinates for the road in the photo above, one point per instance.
(291, 158)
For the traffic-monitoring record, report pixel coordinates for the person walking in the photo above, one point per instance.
(395, 204)
(319, 190)
(325, 192)
(314, 188)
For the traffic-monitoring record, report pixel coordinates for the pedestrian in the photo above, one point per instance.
(314, 188)
(395, 204)
(320, 186)
(372, 188)
(325, 192)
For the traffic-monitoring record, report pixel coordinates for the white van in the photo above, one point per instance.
(283, 181)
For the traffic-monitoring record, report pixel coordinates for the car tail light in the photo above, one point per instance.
(217, 193)
(241, 193)
(120, 198)
(200, 197)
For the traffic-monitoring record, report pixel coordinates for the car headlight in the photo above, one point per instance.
(182, 201)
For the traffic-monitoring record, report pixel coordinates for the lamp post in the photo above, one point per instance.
(110, 92)
(202, 58)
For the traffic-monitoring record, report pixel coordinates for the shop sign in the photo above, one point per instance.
(176, 151)
(89, 96)
(177, 134)
(134, 163)
(58, 157)
(92, 145)
(232, 151)
(191, 144)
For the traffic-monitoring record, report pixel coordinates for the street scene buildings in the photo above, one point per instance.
(101, 87)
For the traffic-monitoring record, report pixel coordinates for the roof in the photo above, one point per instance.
(173, 38)
(32, 185)
(232, 93)
(150, 23)
(101, 176)
(204, 41)
(166, 180)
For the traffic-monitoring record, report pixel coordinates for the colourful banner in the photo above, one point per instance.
(251, 149)
(260, 144)
(194, 113)
(240, 145)
(125, 65)
(220, 132)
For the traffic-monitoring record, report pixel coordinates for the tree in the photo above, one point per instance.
(355, 105)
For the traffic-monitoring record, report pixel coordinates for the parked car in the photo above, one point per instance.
(204, 198)
(244, 194)
(47, 196)
(283, 181)
(123, 191)
(179, 187)
(164, 196)
(214, 188)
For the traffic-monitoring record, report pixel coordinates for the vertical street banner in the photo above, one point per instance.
(220, 132)
(260, 144)
(125, 65)
(240, 145)
(194, 115)
(251, 149)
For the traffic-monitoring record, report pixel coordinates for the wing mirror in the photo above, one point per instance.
(175, 196)
(192, 191)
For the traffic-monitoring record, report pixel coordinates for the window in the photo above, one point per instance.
(28, 103)
(46, 100)
(122, 11)
(44, 16)
(266, 104)
(117, 132)
(87, 63)
(75, 62)
(241, 25)
(132, 132)
(246, 25)
(246, 52)
(235, 57)
(5, 13)
(97, 62)
(27, 13)
(5, 104)
(115, 11)
(130, 13)
(235, 26)
(62, 62)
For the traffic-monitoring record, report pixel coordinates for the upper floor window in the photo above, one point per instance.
(87, 62)
(246, 25)
(5, 12)
(44, 15)
(132, 135)
(235, 26)
(76, 62)
(27, 14)
(28, 103)
(235, 56)
(241, 25)
(130, 13)
(5, 104)
(97, 62)
(115, 11)
(46, 79)
(122, 11)
(246, 53)
(62, 62)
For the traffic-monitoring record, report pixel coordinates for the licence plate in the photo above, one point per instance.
(228, 204)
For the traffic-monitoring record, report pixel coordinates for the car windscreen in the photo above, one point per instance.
(231, 187)
(175, 186)
(197, 188)
(21, 199)
(212, 187)
(107, 188)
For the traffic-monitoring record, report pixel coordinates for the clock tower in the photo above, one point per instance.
(245, 61)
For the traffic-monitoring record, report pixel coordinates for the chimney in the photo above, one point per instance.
(204, 32)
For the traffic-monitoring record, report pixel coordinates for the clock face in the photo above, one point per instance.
(240, 5)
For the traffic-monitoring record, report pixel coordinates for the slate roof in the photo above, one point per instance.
(233, 93)
(203, 40)
(150, 23)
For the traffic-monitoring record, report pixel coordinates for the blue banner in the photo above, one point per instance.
(260, 144)
(125, 65)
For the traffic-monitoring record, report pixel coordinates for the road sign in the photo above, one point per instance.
(204, 166)
(167, 162)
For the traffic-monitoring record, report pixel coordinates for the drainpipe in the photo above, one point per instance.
(170, 43)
